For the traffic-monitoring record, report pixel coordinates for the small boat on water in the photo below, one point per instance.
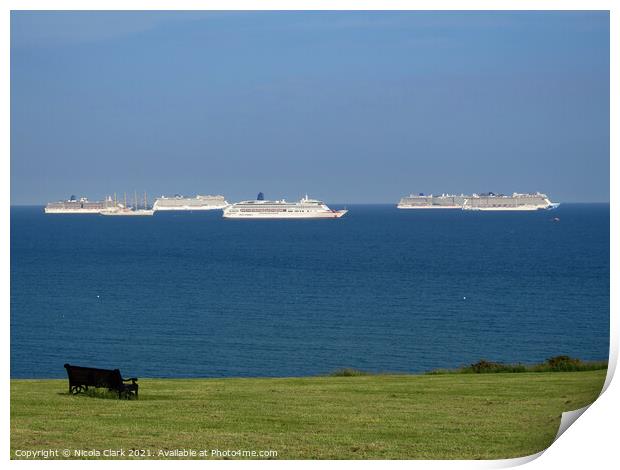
(128, 211)
(122, 209)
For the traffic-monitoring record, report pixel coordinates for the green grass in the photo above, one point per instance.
(454, 416)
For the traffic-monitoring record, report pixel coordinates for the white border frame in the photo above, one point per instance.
(590, 443)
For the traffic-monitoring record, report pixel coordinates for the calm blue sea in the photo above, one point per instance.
(194, 295)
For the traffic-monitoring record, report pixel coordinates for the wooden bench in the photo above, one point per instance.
(80, 378)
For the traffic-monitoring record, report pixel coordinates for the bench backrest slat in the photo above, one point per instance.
(93, 377)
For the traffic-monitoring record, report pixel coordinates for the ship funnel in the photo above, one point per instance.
(260, 197)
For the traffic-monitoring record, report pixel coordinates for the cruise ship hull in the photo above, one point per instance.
(284, 215)
(404, 206)
(504, 209)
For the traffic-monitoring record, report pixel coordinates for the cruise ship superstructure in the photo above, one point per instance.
(515, 202)
(421, 201)
(197, 203)
(81, 206)
(479, 202)
(260, 208)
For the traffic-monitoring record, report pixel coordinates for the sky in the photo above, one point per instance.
(348, 107)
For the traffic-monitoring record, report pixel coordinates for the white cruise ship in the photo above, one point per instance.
(516, 202)
(80, 206)
(198, 203)
(305, 208)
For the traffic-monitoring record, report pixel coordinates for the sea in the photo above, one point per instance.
(191, 294)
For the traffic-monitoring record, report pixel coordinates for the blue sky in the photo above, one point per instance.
(349, 107)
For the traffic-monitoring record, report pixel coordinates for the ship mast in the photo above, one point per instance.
(135, 200)
(144, 200)
(125, 199)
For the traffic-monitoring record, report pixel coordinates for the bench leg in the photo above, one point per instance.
(74, 390)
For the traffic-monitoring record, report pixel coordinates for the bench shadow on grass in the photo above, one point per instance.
(104, 394)
(100, 393)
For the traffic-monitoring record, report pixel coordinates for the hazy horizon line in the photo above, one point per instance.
(346, 203)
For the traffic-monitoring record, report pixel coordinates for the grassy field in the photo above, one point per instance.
(466, 416)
